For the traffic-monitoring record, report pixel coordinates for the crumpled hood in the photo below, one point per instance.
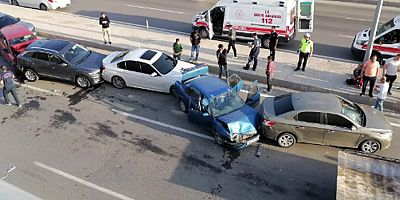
(189, 70)
(20, 47)
(243, 121)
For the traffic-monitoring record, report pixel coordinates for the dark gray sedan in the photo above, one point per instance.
(61, 59)
(325, 119)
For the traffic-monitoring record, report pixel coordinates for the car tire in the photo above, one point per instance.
(370, 146)
(286, 140)
(203, 32)
(172, 91)
(82, 81)
(182, 105)
(265, 42)
(30, 75)
(43, 7)
(218, 139)
(118, 82)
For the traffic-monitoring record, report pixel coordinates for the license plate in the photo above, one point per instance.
(254, 139)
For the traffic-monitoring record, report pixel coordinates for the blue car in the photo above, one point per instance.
(217, 106)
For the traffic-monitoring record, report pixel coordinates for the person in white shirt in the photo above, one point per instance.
(383, 90)
(390, 69)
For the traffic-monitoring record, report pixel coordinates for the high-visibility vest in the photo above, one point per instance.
(306, 46)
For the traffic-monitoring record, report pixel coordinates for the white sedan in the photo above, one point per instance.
(42, 4)
(148, 69)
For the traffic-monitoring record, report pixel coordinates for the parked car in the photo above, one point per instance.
(148, 69)
(61, 59)
(42, 4)
(326, 119)
(6, 20)
(14, 39)
(216, 105)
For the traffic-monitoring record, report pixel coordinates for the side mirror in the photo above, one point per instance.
(154, 74)
(353, 128)
(18, 19)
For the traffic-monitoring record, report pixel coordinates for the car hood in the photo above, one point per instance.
(92, 63)
(189, 70)
(243, 121)
(376, 120)
(28, 25)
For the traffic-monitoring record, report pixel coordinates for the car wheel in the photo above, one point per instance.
(218, 139)
(118, 82)
(82, 81)
(286, 140)
(370, 146)
(203, 32)
(182, 105)
(43, 7)
(265, 42)
(172, 90)
(30, 75)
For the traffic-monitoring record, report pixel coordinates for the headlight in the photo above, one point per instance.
(235, 137)
(361, 42)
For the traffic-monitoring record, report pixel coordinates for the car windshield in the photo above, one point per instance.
(164, 64)
(119, 56)
(7, 20)
(22, 39)
(384, 27)
(353, 112)
(76, 54)
(225, 103)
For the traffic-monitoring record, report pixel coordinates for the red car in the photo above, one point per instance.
(14, 39)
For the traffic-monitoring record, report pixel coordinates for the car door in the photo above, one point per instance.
(253, 94)
(129, 70)
(58, 68)
(5, 50)
(235, 82)
(40, 63)
(198, 111)
(339, 131)
(151, 78)
(308, 126)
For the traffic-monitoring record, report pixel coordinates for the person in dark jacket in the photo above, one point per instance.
(195, 39)
(253, 55)
(232, 40)
(273, 42)
(104, 21)
(7, 79)
(222, 63)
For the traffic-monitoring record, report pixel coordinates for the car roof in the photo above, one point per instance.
(210, 85)
(51, 45)
(15, 31)
(315, 101)
(143, 55)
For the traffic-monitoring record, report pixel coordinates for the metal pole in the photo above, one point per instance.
(372, 34)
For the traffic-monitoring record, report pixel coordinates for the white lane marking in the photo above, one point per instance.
(157, 9)
(348, 36)
(394, 124)
(40, 89)
(163, 124)
(81, 181)
(358, 19)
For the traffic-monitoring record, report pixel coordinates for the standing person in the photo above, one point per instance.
(369, 74)
(269, 71)
(232, 40)
(253, 55)
(390, 69)
(383, 90)
(273, 42)
(177, 47)
(104, 21)
(195, 40)
(7, 79)
(305, 51)
(222, 63)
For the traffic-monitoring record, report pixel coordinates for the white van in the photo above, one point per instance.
(42, 4)
(257, 16)
(386, 44)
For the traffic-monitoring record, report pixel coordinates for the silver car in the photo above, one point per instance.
(325, 119)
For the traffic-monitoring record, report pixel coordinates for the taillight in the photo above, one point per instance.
(287, 32)
(269, 123)
(51, 1)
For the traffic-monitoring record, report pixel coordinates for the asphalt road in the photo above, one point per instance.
(105, 143)
(335, 24)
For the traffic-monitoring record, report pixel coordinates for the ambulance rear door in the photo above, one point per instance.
(305, 15)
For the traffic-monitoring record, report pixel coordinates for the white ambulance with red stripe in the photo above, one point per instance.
(386, 44)
(257, 16)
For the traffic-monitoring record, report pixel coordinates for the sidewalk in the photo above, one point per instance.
(391, 3)
(321, 75)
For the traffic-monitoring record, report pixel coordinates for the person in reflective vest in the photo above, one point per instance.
(305, 51)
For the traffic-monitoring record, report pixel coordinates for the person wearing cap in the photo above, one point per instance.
(305, 51)
(253, 55)
(222, 62)
(178, 49)
(390, 69)
(232, 40)
(7, 79)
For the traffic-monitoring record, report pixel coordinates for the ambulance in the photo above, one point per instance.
(257, 16)
(386, 43)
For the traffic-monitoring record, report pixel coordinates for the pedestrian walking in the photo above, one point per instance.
(7, 79)
(104, 21)
(195, 38)
(305, 51)
(273, 42)
(369, 74)
(390, 69)
(177, 47)
(232, 40)
(222, 62)
(269, 71)
(253, 55)
(383, 90)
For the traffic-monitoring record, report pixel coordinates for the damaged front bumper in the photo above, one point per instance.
(243, 143)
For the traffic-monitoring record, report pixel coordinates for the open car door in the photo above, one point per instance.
(253, 94)
(235, 82)
(198, 112)
(305, 16)
(210, 25)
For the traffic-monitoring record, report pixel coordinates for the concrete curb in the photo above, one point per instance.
(373, 2)
(389, 105)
